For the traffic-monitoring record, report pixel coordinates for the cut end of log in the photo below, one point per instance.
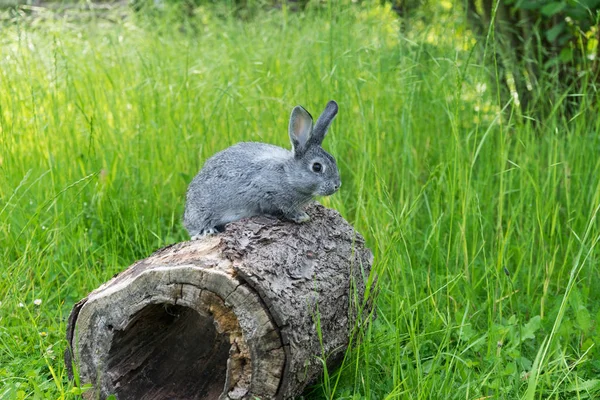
(176, 364)
(233, 316)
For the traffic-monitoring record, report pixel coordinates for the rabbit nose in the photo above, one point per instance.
(338, 185)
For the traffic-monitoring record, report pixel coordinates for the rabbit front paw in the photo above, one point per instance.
(205, 232)
(297, 216)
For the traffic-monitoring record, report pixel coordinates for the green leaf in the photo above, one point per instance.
(566, 54)
(467, 333)
(583, 318)
(494, 384)
(585, 386)
(552, 33)
(510, 369)
(80, 390)
(553, 8)
(531, 327)
(525, 363)
(577, 13)
(528, 4)
(427, 365)
(587, 344)
(591, 4)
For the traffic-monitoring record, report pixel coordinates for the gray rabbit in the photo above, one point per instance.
(250, 179)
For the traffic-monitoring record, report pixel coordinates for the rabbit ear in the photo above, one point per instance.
(324, 122)
(300, 129)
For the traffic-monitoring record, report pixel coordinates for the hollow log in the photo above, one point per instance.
(249, 313)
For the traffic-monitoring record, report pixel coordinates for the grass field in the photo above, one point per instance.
(484, 224)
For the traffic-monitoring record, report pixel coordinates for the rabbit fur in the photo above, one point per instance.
(250, 179)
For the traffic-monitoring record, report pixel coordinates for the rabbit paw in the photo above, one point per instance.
(205, 232)
(298, 217)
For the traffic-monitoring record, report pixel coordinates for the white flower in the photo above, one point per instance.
(21, 305)
(37, 302)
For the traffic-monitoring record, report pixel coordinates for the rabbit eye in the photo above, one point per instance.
(317, 167)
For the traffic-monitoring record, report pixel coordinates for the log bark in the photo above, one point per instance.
(249, 313)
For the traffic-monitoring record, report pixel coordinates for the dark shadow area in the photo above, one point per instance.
(168, 352)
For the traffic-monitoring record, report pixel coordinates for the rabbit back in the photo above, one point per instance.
(238, 182)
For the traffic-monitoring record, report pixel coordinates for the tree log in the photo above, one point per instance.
(249, 313)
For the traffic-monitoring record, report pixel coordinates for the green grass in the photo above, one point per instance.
(484, 225)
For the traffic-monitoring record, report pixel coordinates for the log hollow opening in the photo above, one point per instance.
(168, 351)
